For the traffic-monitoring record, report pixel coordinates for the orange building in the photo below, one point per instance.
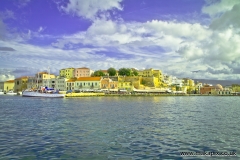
(208, 89)
(109, 84)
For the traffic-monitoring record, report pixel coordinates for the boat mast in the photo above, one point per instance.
(37, 80)
(48, 75)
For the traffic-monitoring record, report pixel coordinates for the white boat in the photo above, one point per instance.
(41, 93)
(1, 92)
(19, 93)
(11, 93)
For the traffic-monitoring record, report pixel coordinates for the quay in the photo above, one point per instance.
(92, 94)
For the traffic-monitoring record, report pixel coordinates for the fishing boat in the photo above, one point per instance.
(43, 92)
(11, 93)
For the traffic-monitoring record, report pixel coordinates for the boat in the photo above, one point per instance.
(11, 93)
(1, 92)
(43, 92)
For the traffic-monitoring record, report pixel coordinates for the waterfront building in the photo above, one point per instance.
(1, 86)
(177, 82)
(20, 84)
(125, 83)
(60, 83)
(215, 90)
(70, 84)
(198, 85)
(189, 84)
(152, 78)
(109, 84)
(86, 83)
(151, 73)
(83, 72)
(8, 85)
(167, 79)
(32, 82)
(219, 90)
(45, 79)
(67, 73)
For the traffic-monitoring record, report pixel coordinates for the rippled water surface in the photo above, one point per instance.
(118, 127)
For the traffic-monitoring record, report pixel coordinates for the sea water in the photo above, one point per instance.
(119, 127)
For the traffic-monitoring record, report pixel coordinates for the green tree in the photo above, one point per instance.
(98, 73)
(111, 71)
(135, 73)
(124, 71)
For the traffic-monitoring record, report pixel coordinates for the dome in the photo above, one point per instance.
(219, 86)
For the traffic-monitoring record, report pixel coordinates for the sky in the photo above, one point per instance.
(182, 38)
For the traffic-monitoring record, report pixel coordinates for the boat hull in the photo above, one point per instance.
(12, 94)
(37, 94)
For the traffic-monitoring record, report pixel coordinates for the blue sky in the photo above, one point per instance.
(175, 36)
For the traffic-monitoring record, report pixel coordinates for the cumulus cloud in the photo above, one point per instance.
(229, 19)
(91, 9)
(5, 77)
(175, 47)
(191, 52)
(217, 8)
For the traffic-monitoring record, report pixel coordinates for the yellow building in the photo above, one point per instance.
(9, 85)
(67, 73)
(155, 81)
(46, 75)
(20, 84)
(189, 85)
(127, 83)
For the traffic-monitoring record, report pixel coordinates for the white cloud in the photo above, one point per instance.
(216, 9)
(5, 77)
(191, 52)
(90, 9)
(229, 19)
(176, 48)
(41, 29)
